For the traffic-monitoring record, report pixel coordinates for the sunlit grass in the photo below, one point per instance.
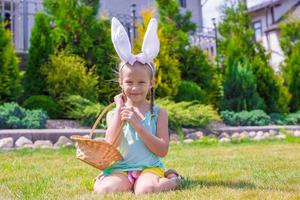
(248, 170)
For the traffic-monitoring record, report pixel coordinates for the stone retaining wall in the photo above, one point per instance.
(45, 134)
(231, 129)
(36, 138)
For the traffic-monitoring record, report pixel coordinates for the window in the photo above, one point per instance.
(5, 13)
(257, 30)
(7, 21)
(182, 3)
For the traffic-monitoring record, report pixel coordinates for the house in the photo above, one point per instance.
(19, 15)
(266, 18)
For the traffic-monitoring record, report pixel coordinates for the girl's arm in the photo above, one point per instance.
(113, 120)
(158, 144)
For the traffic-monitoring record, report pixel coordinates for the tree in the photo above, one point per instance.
(40, 48)
(237, 41)
(290, 44)
(192, 63)
(240, 90)
(78, 31)
(10, 87)
(199, 69)
(167, 66)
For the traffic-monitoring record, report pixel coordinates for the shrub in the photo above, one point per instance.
(189, 91)
(14, 116)
(34, 119)
(246, 118)
(67, 74)
(293, 118)
(45, 103)
(188, 114)
(77, 107)
(90, 114)
(278, 118)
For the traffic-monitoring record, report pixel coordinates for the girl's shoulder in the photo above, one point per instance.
(111, 112)
(159, 110)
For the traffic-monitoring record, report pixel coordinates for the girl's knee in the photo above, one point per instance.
(145, 189)
(106, 188)
(102, 189)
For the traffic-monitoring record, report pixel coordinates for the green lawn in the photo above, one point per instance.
(251, 170)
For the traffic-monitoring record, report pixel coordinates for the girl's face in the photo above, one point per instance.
(136, 81)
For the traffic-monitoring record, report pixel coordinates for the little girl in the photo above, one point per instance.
(145, 135)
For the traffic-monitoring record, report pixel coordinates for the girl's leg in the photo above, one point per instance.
(151, 183)
(115, 182)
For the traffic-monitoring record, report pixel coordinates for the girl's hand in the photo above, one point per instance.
(128, 114)
(120, 100)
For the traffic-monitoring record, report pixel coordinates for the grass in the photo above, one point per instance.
(246, 170)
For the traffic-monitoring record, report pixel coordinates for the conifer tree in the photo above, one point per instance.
(240, 89)
(236, 28)
(290, 43)
(40, 48)
(10, 87)
(191, 61)
(78, 31)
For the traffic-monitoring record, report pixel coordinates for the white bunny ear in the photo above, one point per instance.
(150, 46)
(121, 41)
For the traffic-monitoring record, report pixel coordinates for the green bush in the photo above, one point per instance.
(13, 116)
(45, 103)
(278, 118)
(77, 107)
(246, 118)
(189, 91)
(67, 74)
(188, 114)
(90, 114)
(293, 118)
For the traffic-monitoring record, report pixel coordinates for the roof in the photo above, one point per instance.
(295, 14)
(263, 5)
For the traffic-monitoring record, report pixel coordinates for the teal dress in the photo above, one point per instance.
(136, 156)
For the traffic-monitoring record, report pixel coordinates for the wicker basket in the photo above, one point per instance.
(97, 153)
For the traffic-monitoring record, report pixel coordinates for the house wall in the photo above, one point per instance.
(22, 15)
(270, 33)
(22, 19)
(121, 8)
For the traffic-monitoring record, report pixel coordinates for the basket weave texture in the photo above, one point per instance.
(97, 153)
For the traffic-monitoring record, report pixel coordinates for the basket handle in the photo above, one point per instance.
(98, 120)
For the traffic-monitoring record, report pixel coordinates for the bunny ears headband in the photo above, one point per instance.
(122, 45)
